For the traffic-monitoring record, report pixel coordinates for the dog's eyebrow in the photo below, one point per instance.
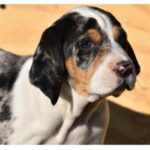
(118, 32)
(94, 35)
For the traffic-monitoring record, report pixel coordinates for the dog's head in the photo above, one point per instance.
(89, 48)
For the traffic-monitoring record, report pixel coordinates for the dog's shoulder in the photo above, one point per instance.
(10, 64)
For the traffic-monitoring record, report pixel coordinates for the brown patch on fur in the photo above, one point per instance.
(78, 76)
(116, 32)
(95, 36)
(90, 109)
(81, 78)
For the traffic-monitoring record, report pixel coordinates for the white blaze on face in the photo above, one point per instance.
(105, 80)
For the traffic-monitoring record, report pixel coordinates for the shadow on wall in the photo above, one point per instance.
(127, 126)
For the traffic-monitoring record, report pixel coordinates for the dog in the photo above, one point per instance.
(58, 95)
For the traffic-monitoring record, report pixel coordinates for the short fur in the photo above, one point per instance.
(58, 95)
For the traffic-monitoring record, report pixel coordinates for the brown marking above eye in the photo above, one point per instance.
(95, 36)
(116, 32)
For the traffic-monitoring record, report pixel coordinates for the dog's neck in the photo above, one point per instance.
(78, 103)
(78, 106)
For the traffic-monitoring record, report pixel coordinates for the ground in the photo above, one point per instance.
(22, 25)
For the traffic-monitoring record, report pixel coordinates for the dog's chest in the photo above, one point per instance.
(42, 123)
(91, 131)
(37, 121)
(78, 134)
(83, 133)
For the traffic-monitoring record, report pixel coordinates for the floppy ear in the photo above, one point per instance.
(130, 52)
(48, 69)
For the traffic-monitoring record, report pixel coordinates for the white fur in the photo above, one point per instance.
(37, 120)
(32, 110)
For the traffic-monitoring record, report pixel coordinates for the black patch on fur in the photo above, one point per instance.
(122, 38)
(86, 55)
(5, 113)
(113, 20)
(131, 53)
(10, 64)
(48, 70)
(91, 23)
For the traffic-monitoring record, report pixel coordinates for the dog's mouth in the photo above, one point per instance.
(117, 92)
(128, 84)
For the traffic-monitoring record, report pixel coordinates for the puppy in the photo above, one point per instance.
(58, 95)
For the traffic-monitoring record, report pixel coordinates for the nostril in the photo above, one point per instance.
(123, 68)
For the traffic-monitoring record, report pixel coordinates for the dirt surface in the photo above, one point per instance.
(22, 25)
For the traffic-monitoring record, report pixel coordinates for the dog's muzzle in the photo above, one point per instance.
(126, 71)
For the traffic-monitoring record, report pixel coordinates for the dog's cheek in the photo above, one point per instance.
(80, 78)
(77, 76)
(104, 80)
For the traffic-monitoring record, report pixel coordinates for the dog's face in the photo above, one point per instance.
(89, 48)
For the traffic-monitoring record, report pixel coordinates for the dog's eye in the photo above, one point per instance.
(123, 37)
(122, 40)
(86, 44)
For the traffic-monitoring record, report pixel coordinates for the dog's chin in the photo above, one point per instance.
(119, 90)
(123, 84)
(127, 84)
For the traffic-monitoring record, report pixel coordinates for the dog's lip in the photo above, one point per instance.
(117, 92)
(121, 88)
(124, 86)
(129, 87)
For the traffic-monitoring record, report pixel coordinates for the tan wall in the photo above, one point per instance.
(20, 30)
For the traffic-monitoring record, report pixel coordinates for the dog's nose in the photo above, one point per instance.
(124, 68)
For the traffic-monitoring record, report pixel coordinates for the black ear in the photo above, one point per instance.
(48, 69)
(130, 52)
